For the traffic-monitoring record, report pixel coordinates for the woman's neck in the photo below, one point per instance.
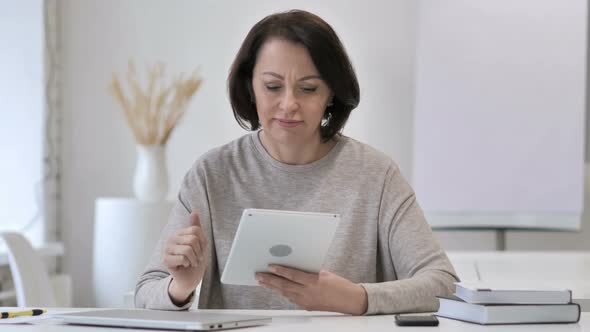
(299, 153)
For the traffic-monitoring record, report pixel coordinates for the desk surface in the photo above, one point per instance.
(290, 321)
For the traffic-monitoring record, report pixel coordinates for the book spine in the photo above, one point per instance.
(579, 311)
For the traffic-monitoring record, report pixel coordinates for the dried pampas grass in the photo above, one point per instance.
(152, 114)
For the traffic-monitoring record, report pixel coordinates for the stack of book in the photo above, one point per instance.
(487, 304)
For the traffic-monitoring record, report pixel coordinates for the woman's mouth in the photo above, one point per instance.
(288, 123)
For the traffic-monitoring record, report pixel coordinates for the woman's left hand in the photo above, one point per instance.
(323, 291)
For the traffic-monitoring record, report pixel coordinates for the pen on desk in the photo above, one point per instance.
(33, 312)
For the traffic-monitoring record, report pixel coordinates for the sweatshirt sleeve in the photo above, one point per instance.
(151, 291)
(416, 268)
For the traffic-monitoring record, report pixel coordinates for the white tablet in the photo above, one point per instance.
(294, 239)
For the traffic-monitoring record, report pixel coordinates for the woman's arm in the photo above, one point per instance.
(410, 255)
(151, 291)
(155, 285)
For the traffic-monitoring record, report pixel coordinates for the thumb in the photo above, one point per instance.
(195, 220)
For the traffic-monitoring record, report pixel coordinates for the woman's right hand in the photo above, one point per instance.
(186, 259)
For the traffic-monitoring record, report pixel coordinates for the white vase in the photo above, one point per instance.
(150, 182)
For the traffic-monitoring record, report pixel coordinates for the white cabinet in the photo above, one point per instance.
(125, 234)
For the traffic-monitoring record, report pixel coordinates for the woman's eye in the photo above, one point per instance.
(309, 89)
(273, 87)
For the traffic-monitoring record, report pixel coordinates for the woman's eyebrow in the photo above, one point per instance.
(308, 77)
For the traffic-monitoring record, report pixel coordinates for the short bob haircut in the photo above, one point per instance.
(327, 54)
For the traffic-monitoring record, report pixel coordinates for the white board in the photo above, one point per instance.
(500, 112)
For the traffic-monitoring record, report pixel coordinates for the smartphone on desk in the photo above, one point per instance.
(416, 320)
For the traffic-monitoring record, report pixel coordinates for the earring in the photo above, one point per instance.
(326, 119)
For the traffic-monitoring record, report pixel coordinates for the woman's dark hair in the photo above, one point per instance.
(327, 54)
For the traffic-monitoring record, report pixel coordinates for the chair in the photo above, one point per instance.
(32, 283)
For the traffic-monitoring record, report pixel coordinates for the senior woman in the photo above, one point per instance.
(293, 86)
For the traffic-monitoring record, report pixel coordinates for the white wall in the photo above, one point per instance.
(21, 112)
(99, 36)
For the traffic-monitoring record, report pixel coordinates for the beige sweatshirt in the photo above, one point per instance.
(383, 241)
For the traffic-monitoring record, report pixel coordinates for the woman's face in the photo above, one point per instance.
(290, 95)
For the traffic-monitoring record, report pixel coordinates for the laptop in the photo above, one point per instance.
(167, 320)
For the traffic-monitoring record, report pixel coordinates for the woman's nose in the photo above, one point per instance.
(289, 101)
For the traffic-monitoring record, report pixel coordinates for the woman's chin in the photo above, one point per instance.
(286, 135)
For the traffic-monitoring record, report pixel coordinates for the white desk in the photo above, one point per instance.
(561, 269)
(291, 321)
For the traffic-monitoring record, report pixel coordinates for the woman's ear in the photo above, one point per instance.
(330, 101)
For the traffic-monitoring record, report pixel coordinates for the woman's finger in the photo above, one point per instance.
(189, 230)
(193, 241)
(173, 261)
(279, 282)
(188, 251)
(298, 276)
(195, 219)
